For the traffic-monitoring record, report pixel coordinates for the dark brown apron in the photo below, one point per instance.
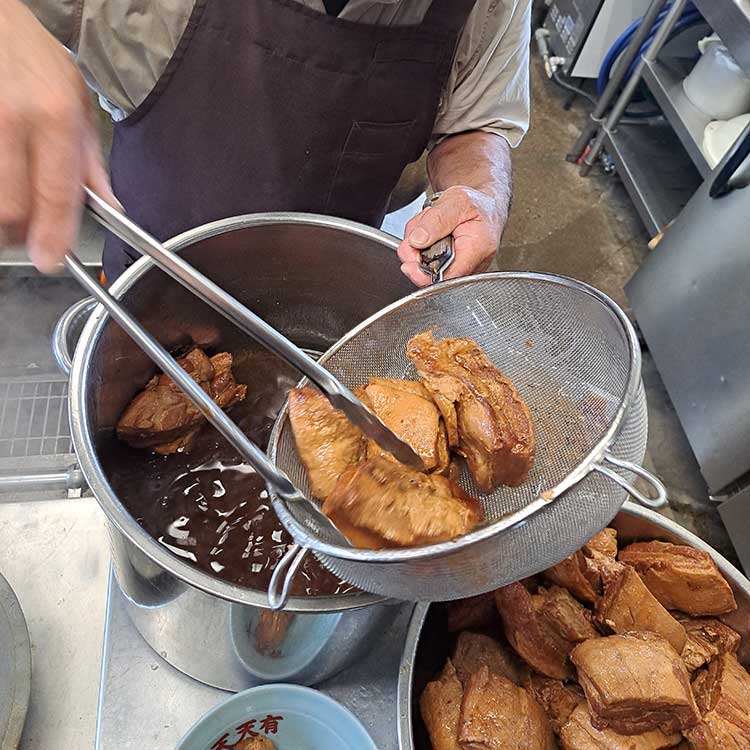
(270, 106)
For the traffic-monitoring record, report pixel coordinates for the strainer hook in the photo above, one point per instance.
(659, 499)
(287, 567)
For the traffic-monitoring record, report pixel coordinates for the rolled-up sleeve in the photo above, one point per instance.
(488, 88)
(62, 18)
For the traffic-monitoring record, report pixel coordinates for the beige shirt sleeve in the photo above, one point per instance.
(122, 46)
(60, 17)
(488, 88)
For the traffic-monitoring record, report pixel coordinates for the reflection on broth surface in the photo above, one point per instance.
(206, 506)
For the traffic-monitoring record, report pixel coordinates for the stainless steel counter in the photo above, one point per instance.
(55, 555)
(145, 702)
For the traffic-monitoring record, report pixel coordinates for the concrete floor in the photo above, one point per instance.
(560, 222)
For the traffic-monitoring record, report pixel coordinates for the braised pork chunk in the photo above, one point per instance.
(440, 705)
(408, 410)
(556, 698)
(627, 605)
(531, 635)
(327, 442)
(573, 573)
(723, 696)
(706, 638)
(474, 651)
(579, 733)
(498, 715)
(634, 683)
(162, 418)
(681, 577)
(487, 419)
(380, 503)
(564, 614)
(474, 613)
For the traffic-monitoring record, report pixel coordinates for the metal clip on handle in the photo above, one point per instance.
(287, 567)
(659, 500)
(436, 259)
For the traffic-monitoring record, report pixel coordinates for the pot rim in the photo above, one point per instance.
(113, 508)
(416, 623)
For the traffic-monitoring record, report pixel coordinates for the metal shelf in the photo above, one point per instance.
(656, 171)
(730, 19)
(664, 79)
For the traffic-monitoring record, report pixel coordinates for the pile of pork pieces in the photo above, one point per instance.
(608, 650)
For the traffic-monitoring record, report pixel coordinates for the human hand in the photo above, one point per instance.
(48, 143)
(474, 220)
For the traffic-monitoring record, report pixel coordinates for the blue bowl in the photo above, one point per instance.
(293, 717)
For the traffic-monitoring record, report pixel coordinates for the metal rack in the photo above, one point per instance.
(661, 165)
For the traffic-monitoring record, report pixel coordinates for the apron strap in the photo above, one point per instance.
(448, 15)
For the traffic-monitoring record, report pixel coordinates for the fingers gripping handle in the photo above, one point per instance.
(436, 259)
(659, 497)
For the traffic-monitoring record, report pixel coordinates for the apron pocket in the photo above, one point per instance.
(371, 162)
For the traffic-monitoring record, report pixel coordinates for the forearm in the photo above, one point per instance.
(476, 160)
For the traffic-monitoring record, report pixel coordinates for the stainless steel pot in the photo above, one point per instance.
(313, 278)
(426, 647)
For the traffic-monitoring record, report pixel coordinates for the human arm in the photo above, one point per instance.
(48, 143)
(485, 112)
(473, 171)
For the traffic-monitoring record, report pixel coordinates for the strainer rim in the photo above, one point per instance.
(303, 537)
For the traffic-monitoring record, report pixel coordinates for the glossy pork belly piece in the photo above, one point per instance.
(681, 577)
(706, 638)
(498, 715)
(579, 733)
(406, 408)
(474, 613)
(487, 420)
(474, 651)
(627, 605)
(558, 700)
(531, 635)
(635, 683)
(564, 614)
(723, 695)
(162, 418)
(380, 503)
(327, 442)
(440, 705)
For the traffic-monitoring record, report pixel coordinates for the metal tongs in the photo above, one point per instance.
(339, 396)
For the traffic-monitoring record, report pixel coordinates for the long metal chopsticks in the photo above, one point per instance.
(276, 479)
(339, 396)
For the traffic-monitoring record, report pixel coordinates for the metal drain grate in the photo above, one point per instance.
(34, 417)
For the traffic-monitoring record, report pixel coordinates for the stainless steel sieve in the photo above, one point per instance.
(575, 359)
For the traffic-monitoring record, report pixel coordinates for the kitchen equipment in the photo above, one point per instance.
(574, 357)
(427, 647)
(436, 260)
(287, 267)
(720, 135)
(690, 299)
(15, 668)
(582, 31)
(292, 717)
(717, 85)
(235, 311)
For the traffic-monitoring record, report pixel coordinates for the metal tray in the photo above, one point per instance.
(15, 668)
(427, 647)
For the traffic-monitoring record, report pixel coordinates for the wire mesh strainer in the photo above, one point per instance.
(574, 357)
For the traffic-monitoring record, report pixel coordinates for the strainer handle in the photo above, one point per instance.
(659, 500)
(287, 568)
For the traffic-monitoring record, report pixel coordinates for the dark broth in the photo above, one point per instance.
(205, 505)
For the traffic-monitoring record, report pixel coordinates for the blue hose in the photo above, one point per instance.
(690, 16)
